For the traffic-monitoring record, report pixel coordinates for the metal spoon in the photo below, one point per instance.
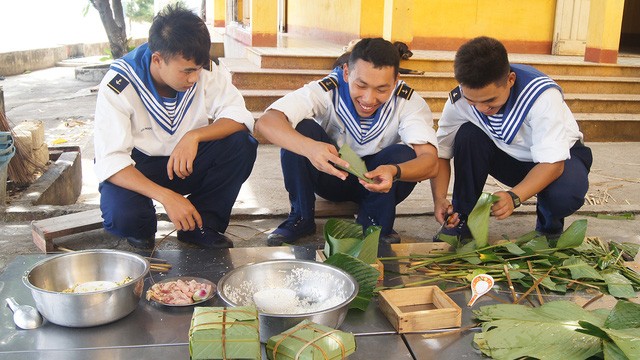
(24, 316)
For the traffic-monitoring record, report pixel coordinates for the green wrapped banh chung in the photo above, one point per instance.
(224, 333)
(311, 341)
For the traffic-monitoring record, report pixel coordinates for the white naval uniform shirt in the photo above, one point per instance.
(546, 135)
(411, 122)
(122, 122)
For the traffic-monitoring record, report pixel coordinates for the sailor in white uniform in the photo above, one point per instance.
(153, 139)
(509, 121)
(365, 106)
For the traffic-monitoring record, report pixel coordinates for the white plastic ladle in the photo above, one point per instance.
(480, 285)
(24, 316)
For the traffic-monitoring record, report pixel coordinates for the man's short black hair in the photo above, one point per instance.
(481, 61)
(178, 31)
(377, 51)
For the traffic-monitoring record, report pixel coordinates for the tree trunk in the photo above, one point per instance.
(113, 22)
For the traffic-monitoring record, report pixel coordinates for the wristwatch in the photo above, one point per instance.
(396, 177)
(515, 198)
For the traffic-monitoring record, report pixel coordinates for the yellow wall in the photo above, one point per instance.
(372, 24)
(524, 26)
(337, 20)
(520, 25)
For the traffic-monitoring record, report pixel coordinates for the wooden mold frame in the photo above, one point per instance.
(416, 309)
(320, 257)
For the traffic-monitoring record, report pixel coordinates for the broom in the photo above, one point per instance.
(20, 167)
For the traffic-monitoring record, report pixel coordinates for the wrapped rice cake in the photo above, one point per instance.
(224, 333)
(311, 341)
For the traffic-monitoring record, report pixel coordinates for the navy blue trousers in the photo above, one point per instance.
(302, 180)
(219, 169)
(475, 156)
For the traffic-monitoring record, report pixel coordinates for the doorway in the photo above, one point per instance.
(630, 33)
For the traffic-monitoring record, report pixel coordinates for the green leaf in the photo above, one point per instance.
(369, 252)
(580, 269)
(547, 332)
(611, 351)
(618, 285)
(513, 248)
(590, 329)
(365, 275)
(468, 248)
(627, 340)
(478, 220)
(574, 235)
(527, 237)
(357, 166)
(624, 315)
(536, 244)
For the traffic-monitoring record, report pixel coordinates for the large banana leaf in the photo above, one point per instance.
(357, 166)
(515, 331)
(342, 236)
(365, 275)
(478, 220)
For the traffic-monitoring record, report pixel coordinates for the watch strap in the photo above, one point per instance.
(515, 198)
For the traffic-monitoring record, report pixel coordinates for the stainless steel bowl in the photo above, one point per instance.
(48, 278)
(312, 280)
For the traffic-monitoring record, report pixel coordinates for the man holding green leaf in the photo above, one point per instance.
(362, 109)
(512, 124)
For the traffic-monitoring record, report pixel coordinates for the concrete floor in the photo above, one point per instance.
(66, 107)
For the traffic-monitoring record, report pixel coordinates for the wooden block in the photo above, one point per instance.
(320, 257)
(36, 128)
(44, 231)
(41, 155)
(418, 309)
(406, 249)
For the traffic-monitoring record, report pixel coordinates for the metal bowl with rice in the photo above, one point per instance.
(87, 288)
(287, 292)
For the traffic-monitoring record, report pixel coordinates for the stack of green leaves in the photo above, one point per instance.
(559, 330)
(531, 259)
(224, 333)
(347, 237)
(311, 341)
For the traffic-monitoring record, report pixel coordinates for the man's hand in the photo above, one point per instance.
(181, 212)
(322, 156)
(382, 177)
(503, 208)
(182, 157)
(443, 211)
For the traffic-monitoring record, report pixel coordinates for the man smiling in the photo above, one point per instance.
(510, 121)
(363, 105)
(153, 139)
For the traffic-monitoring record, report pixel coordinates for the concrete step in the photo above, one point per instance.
(594, 127)
(259, 100)
(246, 75)
(438, 61)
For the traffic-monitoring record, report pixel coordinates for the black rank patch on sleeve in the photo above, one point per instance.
(118, 83)
(455, 94)
(328, 83)
(404, 91)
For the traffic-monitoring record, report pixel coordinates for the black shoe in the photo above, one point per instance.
(391, 238)
(206, 238)
(144, 243)
(291, 230)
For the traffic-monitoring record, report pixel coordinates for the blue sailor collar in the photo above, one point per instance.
(529, 84)
(347, 113)
(134, 66)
